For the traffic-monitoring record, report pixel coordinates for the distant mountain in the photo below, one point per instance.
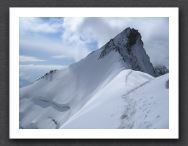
(23, 82)
(118, 68)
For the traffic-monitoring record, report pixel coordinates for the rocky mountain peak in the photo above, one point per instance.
(129, 45)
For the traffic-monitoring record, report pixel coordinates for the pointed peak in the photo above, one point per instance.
(129, 45)
(127, 29)
(131, 33)
(124, 40)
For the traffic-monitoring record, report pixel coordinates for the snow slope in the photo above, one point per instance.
(131, 100)
(60, 95)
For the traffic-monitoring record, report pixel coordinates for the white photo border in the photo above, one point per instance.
(16, 133)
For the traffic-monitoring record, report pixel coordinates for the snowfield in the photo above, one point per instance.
(112, 87)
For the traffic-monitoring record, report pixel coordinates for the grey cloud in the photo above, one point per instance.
(154, 31)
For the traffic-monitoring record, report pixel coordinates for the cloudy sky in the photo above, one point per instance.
(54, 43)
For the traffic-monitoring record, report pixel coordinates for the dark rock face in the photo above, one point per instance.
(167, 84)
(132, 37)
(130, 47)
(108, 48)
(160, 70)
(48, 75)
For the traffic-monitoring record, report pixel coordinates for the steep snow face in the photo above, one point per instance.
(131, 100)
(52, 100)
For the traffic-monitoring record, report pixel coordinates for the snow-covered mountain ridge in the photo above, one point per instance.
(62, 96)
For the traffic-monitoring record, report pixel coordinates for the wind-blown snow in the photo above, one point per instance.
(95, 92)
